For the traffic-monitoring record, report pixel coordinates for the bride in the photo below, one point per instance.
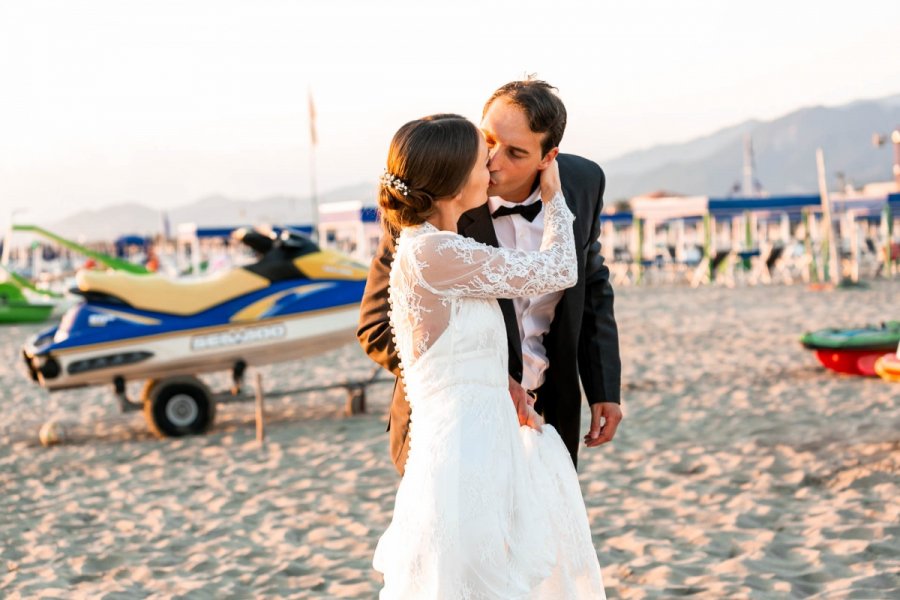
(486, 508)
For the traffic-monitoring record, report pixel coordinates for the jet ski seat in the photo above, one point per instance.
(159, 294)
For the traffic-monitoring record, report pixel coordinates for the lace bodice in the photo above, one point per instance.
(433, 270)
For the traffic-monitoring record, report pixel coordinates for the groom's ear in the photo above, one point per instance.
(548, 158)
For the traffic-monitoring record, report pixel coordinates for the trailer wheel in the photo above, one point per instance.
(178, 406)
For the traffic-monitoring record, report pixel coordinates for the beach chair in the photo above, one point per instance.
(673, 269)
(767, 269)
(725, 269)
(620, 273)
(869, 259)
(745, 264)
(620, 268)
(777, 267)
(653, 270)
(887, 264)
(684, 270)
(709, 266)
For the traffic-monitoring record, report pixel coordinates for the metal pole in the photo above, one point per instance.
(679, 241)
(314, 199)
(833, 250)
(7, 246)
(707, 244)
(748, 190)
(895, 137)
(854, 245)
(748, 236)
(639, 224)
(808, 245)
(887, 220)
(313, 142)
(260, 411)
(7, 242)
(785, 230)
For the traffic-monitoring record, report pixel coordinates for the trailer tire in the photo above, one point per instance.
(178, 406)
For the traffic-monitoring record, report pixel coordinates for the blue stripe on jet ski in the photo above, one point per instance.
(106, 328)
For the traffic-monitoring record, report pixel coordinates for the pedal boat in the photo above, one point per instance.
(853, 351)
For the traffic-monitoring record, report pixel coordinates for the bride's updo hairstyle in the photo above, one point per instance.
(429, 160)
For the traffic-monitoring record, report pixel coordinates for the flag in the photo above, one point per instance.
(312, 121)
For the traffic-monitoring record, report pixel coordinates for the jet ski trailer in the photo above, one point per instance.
(295, 302)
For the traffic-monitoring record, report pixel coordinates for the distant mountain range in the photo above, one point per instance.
(784, 151)
(212, 211)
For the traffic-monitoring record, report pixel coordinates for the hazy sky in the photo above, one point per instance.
(162, 102)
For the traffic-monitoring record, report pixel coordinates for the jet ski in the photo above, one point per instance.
(296, 301)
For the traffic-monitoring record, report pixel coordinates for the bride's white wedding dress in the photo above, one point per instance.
(486, 508)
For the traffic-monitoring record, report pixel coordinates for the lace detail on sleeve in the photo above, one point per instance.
(407, 310)
(451, 265)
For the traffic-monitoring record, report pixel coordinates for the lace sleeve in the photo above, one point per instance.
(452, 265)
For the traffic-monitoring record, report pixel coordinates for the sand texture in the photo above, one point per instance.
(742, 470)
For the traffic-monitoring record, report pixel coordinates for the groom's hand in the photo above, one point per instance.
(605, 418)
(521, 400)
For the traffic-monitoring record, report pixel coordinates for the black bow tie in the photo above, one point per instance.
(529, 211)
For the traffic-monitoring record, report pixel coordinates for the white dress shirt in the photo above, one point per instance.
(534, 313)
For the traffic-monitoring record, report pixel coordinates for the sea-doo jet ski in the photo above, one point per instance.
(298, 300)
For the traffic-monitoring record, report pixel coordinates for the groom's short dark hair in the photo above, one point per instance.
(545, 111)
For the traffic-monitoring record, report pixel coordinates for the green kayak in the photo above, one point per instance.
(15, 307)
(885, 337)
(16, 312)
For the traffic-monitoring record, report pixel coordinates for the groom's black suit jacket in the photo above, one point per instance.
(583, 338)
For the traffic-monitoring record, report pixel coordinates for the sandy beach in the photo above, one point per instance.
(742, 470)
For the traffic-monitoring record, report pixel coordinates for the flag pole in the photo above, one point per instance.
(313, 138)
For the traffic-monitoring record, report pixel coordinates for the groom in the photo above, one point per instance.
(553, 338)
